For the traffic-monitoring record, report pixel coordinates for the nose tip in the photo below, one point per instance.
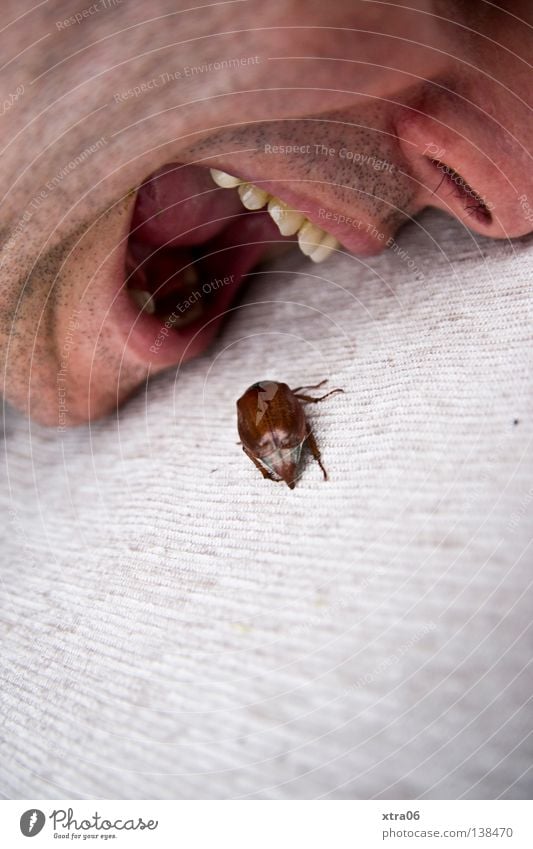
(471, 177)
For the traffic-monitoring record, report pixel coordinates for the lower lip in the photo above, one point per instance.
(154, 340)
(140, 331)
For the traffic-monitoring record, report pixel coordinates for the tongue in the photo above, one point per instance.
(232, 253)
(179, 205)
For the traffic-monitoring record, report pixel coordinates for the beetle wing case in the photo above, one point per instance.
(269, 415)
(273, 428)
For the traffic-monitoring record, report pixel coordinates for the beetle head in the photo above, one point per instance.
(284, 463)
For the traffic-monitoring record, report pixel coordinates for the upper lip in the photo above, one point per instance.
(362, 237)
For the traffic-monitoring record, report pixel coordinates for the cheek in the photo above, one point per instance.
(66, 363)
(92, 355)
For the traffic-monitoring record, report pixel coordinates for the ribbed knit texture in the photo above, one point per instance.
(174, 626)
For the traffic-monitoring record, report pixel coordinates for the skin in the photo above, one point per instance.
(402, 84)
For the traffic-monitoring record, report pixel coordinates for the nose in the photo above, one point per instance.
(470, 167)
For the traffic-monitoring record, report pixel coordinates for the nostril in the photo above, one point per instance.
(473, 203)
(455, 172)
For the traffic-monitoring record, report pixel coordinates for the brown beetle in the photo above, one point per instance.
(273, 428)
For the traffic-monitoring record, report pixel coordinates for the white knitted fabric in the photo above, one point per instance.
(174, 626)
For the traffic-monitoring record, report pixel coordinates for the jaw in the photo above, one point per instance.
(69, 364)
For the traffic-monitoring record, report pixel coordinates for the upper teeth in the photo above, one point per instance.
(309, 238)
(225, 181)
(288, 220)
(313, 241)
(252, 197)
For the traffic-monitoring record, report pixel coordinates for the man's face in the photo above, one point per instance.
(120, 254)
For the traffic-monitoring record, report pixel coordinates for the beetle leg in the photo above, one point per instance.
(308, 399)
(264, 472)
(313, 447)
(315, 386)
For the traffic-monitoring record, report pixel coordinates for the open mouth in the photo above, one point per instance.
(195, 235)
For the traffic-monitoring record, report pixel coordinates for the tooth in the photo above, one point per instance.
(225, 181)
(190, 276)
(288, 220)
(252, 197)
(144, 300)
(325, 248)
(310, 237)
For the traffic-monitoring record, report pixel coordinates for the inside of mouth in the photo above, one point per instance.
(191, 244)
